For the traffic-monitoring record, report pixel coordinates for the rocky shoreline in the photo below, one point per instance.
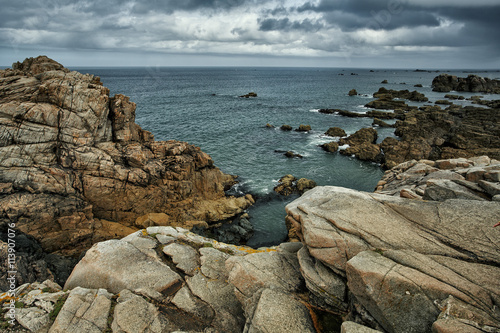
(418, 255)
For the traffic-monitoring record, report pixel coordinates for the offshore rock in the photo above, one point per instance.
(75, 168)
(472, 83)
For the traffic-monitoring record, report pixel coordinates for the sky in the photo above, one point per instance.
(424, 34)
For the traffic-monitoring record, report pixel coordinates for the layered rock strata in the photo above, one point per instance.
(75, 168)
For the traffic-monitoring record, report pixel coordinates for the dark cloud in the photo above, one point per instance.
(286, 24)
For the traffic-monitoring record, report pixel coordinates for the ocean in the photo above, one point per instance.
(202, 106)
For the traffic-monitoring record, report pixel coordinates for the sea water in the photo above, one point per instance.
(202, 106)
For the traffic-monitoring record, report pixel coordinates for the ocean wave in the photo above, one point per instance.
(314, 110)
(344, 147)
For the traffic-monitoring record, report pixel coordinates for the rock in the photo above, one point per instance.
(304, 128)
(352, 327)
(327, 288)
(304, 184)
(336, 131)
(32, 319)
(378, 282)
(77, 166)
(381, 123)
(85, 310)
(413, 177)
(418, 85)
(403, 94)
(492, 188)
(251, 273)
(279, 312)
(269, 125)
(288, 185)
(185, 257)
(133, 313)
(330, 147)
(286, 127)
(472, 83)
(250, 94)
(433, 250)
(384, 82)
(443, 102)
(291, 154)
(364, 135)
(115, 265)
(352, 92)
(443, 189)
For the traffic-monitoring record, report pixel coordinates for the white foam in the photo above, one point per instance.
(344, 147)
(314, 110)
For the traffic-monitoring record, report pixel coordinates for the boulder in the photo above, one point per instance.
(278, 312)
(336, 131)
(288, 185)
(304, 128)
(330, 147)
(115, 265)
(352, 92)
(85, 310)
(286, 128)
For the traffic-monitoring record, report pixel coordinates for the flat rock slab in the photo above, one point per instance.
(116, 265)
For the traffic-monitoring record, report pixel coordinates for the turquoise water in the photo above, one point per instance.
(201, 106)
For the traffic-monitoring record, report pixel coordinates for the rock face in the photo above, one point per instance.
(472, 83)
(402, 260)
(75, 168)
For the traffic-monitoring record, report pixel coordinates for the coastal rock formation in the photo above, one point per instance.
(288, 185)
(472, 83)
(165, 279)
(335, 131)
(75, 168)
(475, 178)
(428, 257)
(362, 145)
(414, 96)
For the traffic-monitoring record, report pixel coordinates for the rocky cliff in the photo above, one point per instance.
(75, 168)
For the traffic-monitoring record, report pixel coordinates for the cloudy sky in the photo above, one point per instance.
(322, 33)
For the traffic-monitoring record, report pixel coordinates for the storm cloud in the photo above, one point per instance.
(378, 33)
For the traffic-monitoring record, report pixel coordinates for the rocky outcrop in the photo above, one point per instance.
(401, 265)
(362, 144)
(472, 83)
(414, 96)
(189, 283)
(75, 168)
(336, 131)
(476, 178)
(288, 185)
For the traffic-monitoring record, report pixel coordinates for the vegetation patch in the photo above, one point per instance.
(57, 307)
